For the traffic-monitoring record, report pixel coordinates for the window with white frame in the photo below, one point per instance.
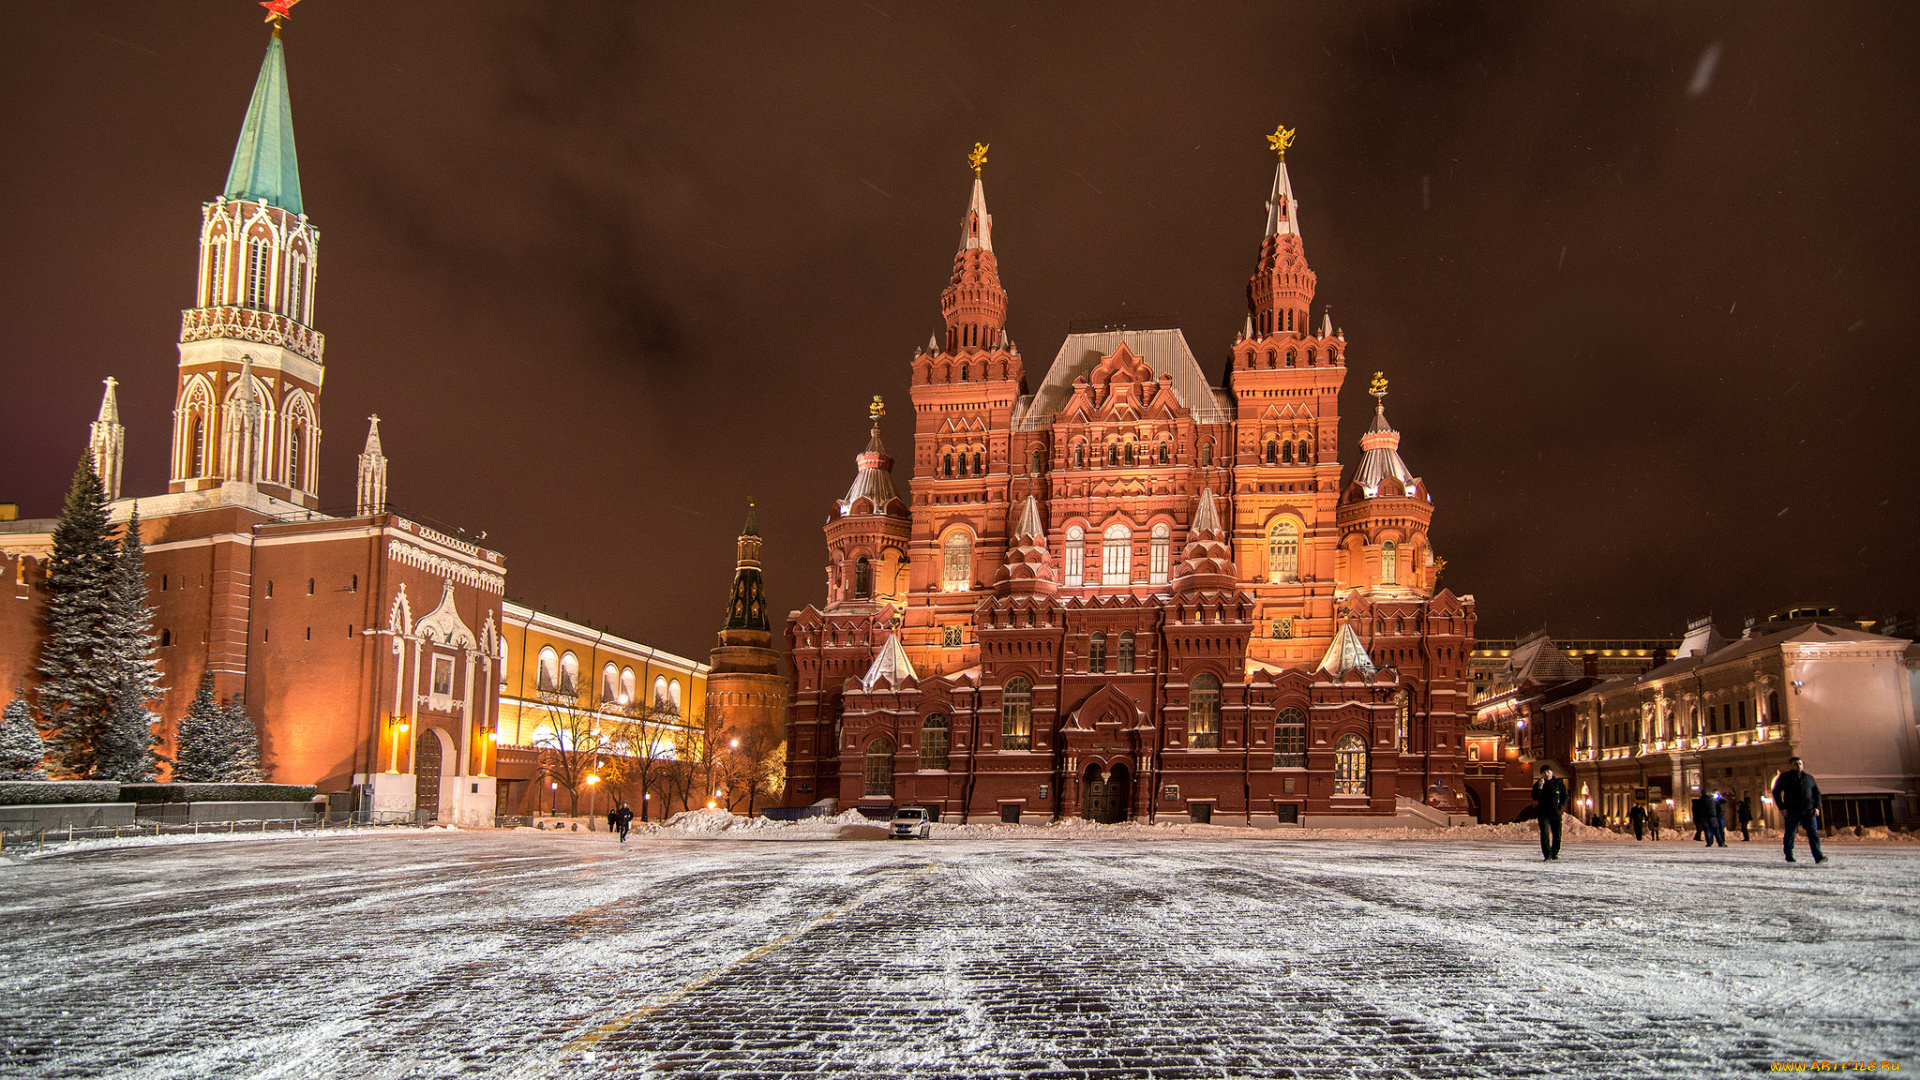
(1016, 715)
(569, 674)
(1283, 551)
(1116, 556)
(1290, 739)
(296, 286)
(1350, 766)
(609, 684)
(1097, 653)
(1076, 555)
(1389, 564)
(1126, 653)
(1162, 553)
(549, 677)
(258, 254)
(1203, 713)
(957, 558)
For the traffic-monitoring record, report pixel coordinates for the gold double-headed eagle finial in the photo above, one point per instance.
(1281, 138)
(1379, 387)
(978, 157)
(878, 409)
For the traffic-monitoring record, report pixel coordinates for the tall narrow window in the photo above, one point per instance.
(880, 767)
(1350, 766)
(1389, 564)
(1273, 452)
(862, 579)
(1079, 455)
(1016, 715)
(1286, 452)
(1206, 455)
(1116, 556)
(549, 676)
(1403, 721)
(1113, 453)
(197, 441)
(1161, 550)
(216, 279)
(1126, 653)
(933, 743)
(1166, 453)
(1290, 740)
(1203, 713)
(946, 467)
(294, 432)
(257, 266)
(570, 675)
(1283, 551)
(609, 684)
(296, 287)
(1076, 555)
(1773, 708)
(1097, 654)
(1301, 455)
(1038, 461)
(957, 555)
(979, 468)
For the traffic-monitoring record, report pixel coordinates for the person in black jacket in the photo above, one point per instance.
(1799, 800)
(1743, 814)
(1716, 819)
(624, 821)
(1638, 815)
(1550, 795)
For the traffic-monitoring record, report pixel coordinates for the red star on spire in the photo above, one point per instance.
(277, 10)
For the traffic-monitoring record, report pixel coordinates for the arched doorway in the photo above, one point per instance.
(1103, 794)
(426, 773)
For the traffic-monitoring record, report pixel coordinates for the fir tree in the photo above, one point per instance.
(128, 753)
(78, 676)
(21, 751)
(200, 756)
(243, 745)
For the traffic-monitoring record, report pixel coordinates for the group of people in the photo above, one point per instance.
(619, 820)
(1794, 791)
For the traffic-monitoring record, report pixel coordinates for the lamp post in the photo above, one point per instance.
(398, 727)
(592, 779)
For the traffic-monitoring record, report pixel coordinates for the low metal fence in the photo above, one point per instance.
(12, 838)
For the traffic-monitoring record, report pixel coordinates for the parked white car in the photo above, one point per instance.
(910, 823)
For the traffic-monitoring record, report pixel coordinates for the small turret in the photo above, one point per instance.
(868, 531)
(1029, 566)
(1207, 562)
(106, 441)
(371, 492)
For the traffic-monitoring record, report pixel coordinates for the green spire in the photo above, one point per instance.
(264, 165)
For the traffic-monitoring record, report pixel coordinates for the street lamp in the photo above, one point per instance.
(399, 728)
(591, 781)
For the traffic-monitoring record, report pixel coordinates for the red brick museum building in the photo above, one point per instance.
(1130, 592)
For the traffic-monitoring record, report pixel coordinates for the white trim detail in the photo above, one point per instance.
(408, 555)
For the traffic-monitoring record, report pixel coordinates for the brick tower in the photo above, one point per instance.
(745, 686)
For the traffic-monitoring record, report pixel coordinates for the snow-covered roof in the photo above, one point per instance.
(1162, 350)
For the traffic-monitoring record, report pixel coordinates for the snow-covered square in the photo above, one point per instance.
(1134, 953)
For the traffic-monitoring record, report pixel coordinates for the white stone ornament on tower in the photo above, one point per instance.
(371, 492)
(106, 441)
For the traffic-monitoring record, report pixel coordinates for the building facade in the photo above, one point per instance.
(1132, 592)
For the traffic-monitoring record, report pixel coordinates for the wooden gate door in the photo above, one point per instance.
(1105, 799)
(426, 780)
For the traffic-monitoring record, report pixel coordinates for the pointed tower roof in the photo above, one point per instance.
(1029, 566)
(1380, 459)
(747, 606)
(874, 480)
(892, 665)
(110, 403)
(1347, 654)
(1029, 527)
(1283, 210)
(373, 438)
(751, 528)
(265, 167)
(976, 230)
(1207, 561)
(1206, 520)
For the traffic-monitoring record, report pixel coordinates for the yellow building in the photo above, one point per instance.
(558, 677)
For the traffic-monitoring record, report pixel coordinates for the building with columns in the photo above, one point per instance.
(1131, 592)
(369, 648)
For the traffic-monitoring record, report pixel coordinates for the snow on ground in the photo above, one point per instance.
(522, 954)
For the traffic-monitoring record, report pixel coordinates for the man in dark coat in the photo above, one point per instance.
(625, 821)
(1743, 814)
(1703, 815)
(1638, 815)
(1798, 798)
(613, 819)
(1550, 795)
(1716, 819)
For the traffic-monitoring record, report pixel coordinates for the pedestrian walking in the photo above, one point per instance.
(625, 820)
(1653, 822)
(1699, 823)
(1798, 797)
(1638, 815)
(1717, 820)
(613, 819)
(1743, 814)
(1550, 795)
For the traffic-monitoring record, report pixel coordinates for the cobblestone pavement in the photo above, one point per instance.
(517, 955)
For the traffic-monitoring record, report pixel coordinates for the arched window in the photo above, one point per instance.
(946, 467)
(296, 286)
(1290, 740)
(569, 674)
(1126, 653)
(1038, 462)
(1161, 551)
(1203, 713)
(660, 698)
(1113, 453)
(1350, 766)
(1076, 555)
(1129, 454)
(1389, 564)
(294, 434)
(197, 442)
(1116, 556)
(549, 675)
(216, 259)
(862, 578)
(1403, 721)
(1097, 653)
(933, 743)
(1290, 357)
(880, 767)
(1016, 715)
(1286, 453)
(1166, 452)
(609, 684)
(1310, 358)
(1283, 551)
(1273, 452)
(627, 696)
(979, 467)
(1079, 455)
(1773, 708)
(166, 638)
(957, 557)
(963, 365)
(1206, 455)
(257, 266)
(963, 463)
(1301, 455)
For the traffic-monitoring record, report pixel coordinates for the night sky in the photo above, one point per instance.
(1643, 276)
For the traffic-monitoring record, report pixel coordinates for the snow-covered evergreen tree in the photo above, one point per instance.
(21, 750)
(200, 754)
(78, 675)
(243, 745)
(127, 634)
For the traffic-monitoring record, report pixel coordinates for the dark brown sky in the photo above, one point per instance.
(607, 271)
